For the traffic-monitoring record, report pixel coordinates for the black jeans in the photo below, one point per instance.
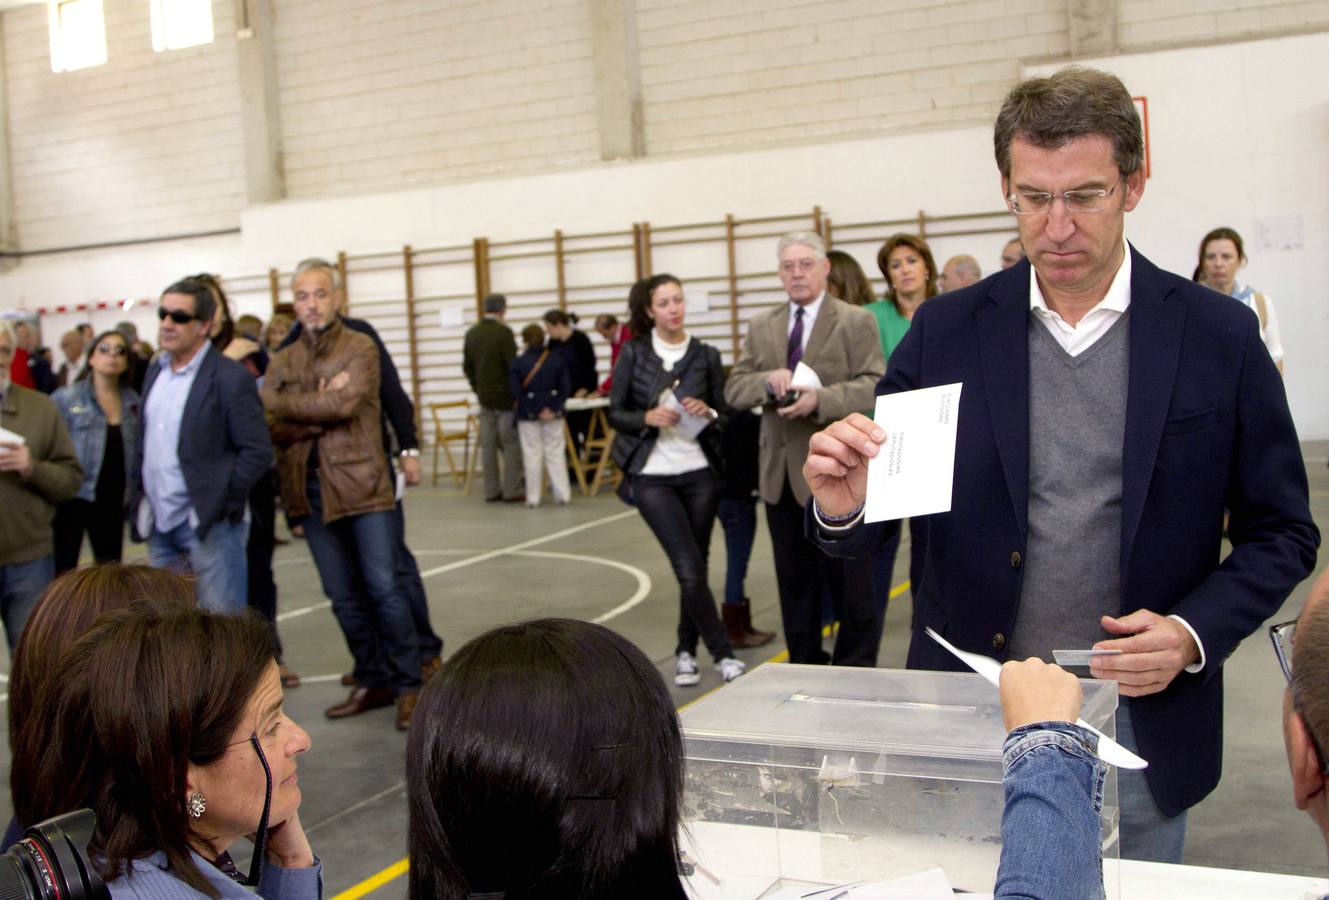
(409, 583)
(680, 509)
(104, 521)
(258, 552)
(799, 568)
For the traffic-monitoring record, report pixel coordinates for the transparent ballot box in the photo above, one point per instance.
(816, 776)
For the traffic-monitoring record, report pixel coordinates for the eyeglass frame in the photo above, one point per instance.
(174, 314)
(1276, 633)
(1013, 203)
(111, 348)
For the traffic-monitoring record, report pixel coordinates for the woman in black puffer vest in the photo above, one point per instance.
(665, 404)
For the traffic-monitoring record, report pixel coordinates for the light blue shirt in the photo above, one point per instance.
(163, 408)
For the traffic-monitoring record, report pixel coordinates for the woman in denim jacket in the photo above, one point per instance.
(101, 411)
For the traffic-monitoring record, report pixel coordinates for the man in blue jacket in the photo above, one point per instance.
(202, 445)
(1111, 412)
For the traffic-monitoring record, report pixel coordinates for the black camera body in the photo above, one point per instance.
(51, 862)
(789, 399)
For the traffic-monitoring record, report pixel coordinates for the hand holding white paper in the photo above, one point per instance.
(12, 438)
(914, 472)
(804, 378)
(688, 424)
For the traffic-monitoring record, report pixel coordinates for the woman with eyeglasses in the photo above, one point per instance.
(100, 410)
(168, 724)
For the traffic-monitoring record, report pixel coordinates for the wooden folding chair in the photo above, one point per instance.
(446, 433)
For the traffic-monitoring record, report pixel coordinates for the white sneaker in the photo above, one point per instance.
(686, 673)
(730, 668)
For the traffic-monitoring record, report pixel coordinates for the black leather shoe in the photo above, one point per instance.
(362, 699)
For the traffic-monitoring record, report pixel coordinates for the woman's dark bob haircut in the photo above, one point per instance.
(145, 692)
(545, 761)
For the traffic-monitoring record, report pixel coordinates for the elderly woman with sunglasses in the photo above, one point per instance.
(100, 410)
(168, 724)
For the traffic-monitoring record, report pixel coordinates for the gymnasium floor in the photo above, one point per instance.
(486, 564)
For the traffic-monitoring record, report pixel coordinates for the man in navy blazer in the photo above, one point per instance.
(1110, 413)
(203, 444)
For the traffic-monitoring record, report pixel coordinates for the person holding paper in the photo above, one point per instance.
(1111, 411)
(38, 469)
(806, 362)
(664, 404)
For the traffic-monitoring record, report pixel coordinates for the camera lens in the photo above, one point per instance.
(52, 863)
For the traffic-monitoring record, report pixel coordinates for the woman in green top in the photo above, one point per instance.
(911, 277)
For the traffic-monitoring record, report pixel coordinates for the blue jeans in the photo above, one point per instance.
(410, 584)
(738, 518)
(1146, 833)
(356, 558)
(1051, 844)
(21, 586)
(219, 562)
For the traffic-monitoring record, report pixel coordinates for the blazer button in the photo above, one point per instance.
(1015, 559)
(998, 641)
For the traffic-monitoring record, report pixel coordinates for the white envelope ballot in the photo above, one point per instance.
(11, 437)
(804, 378)
(915, 470)
(688, 424)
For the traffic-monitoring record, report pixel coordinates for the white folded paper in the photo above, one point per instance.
(914, 472)
(804, 378)
(11, 437)
(688, 424)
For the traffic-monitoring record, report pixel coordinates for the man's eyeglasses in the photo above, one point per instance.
(1284, 636)
(1088, 200)
(178, 316)
(800, 265)
(111, 349)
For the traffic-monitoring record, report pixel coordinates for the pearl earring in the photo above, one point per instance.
(196, 805)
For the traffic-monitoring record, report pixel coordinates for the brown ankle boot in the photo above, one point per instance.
(758, 638)
(738, 626)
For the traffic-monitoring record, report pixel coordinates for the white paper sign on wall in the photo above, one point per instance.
(1278, 233)
(450, 316)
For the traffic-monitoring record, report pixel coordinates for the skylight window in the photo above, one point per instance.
(78, 34)
(180, 23)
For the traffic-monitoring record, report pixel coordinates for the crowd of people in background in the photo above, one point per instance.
(157, 702)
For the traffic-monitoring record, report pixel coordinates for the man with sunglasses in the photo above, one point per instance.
(1111, 412)
(202, 445)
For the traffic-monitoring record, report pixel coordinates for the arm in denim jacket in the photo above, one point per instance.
(1050, 833)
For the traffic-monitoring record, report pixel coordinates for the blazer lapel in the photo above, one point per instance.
(1003, 341)
(779, 335)
(1155, 328)
(207, 372)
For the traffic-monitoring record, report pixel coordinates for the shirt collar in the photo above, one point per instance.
(810, 310)
(191, 365)
(1117, 298)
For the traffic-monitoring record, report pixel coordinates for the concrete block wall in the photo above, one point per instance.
(1146, 24)
(733, 72)
(399, 93)
(142, 146)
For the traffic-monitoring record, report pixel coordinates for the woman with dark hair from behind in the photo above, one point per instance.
(847, 279)
(101, 411)
(540, 381)
(579, 354)
(67, 609)
(533, 775)
(168, 725)
(673, 473)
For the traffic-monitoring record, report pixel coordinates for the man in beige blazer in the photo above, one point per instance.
(839, 343)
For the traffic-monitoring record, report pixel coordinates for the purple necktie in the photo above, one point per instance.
(796, 340)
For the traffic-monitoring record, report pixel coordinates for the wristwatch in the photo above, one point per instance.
(411, 453)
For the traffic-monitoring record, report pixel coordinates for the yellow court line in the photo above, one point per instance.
(401, 866)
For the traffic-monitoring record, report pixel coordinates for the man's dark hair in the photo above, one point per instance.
(144, 693)
(205, 301)
(1050, 112)
(533, 774)
(495, 303)
(640, 322)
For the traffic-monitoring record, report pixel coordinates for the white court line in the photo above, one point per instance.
(643, 580)
(511, 549)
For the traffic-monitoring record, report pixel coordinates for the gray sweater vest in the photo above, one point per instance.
(1077, 425)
